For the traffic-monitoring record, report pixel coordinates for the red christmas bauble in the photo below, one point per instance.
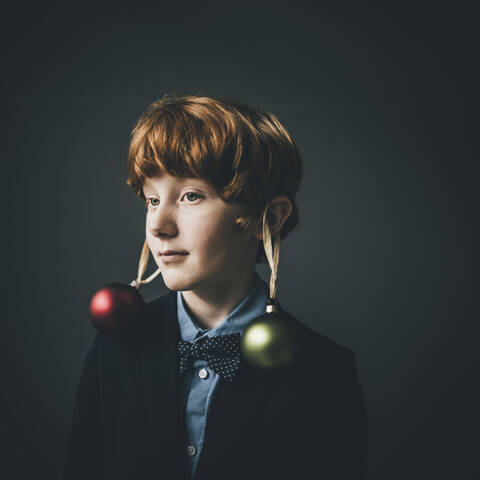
(118, 310)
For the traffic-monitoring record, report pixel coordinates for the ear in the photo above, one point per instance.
(279, 210)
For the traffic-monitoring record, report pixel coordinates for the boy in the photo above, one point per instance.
(206, 167)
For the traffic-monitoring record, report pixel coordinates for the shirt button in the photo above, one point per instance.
(191, 450)
(203, 373)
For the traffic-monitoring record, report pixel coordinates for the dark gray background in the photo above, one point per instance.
(380, 103)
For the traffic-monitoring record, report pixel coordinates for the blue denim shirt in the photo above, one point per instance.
(200, 383)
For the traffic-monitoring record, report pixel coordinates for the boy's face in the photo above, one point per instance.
(187, 215)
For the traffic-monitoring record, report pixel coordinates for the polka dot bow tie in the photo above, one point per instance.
(221, 352)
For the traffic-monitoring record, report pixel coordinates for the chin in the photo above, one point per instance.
(177, 282)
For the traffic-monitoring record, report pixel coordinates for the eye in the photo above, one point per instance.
(148, 202)
(154, 202)
(197, 195)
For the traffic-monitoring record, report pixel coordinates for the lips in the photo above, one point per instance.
(173, 252)
(171, 257)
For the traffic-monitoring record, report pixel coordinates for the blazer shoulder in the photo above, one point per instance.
(332, 346)
(324, 349)
(165, 300)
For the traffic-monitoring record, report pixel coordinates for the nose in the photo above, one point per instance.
(162, 221)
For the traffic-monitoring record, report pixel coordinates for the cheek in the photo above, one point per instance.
(218, 242)
(210, 240)
(213, 237)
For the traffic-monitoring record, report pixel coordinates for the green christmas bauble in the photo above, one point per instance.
(271, 341)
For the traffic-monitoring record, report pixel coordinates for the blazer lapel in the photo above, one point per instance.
(160, 381)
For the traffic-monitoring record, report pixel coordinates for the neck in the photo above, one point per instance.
(209, 307)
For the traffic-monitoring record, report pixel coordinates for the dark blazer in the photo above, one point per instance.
(307, 421)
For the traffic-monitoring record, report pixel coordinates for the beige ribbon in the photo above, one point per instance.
(272, 257)
(142, 266)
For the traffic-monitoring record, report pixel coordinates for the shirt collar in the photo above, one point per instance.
(251, 307)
